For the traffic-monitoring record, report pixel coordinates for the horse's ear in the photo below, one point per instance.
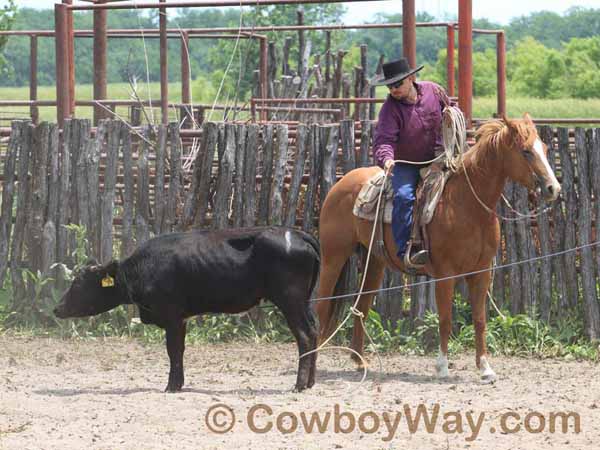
(527, 118)
(509, 123)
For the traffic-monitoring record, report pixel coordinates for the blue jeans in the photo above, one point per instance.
(404, 183)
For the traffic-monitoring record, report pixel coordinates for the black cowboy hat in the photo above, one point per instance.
(394, 71)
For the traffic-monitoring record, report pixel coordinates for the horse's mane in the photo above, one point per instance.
(494, 136)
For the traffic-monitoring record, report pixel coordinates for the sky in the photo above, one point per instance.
(500, 11)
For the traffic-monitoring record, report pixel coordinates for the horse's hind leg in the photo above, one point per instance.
(478, 286)
(373, 280)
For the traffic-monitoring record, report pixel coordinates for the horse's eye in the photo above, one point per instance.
(528, 154)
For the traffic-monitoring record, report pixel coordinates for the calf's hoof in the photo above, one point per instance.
(302, 385)
(174, 388)
(175, 384)
(299, 388)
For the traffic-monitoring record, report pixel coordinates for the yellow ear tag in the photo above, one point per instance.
(108, 281)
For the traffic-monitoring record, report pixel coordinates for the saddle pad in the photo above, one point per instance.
(365, 205)
(428, 195)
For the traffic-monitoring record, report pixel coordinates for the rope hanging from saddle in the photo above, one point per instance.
(454, 137)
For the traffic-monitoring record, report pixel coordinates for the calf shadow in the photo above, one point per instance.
(240, 392)
(192, 390)
(74, 392)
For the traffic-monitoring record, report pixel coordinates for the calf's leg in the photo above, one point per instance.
(175, 347)
(313, 341)
(300, 319)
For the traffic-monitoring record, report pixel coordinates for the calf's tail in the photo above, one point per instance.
(314, 244)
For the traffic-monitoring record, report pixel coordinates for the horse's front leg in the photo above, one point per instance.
(444, 291)
(478, 287)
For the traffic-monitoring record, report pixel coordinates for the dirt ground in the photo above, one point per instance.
(108, 394)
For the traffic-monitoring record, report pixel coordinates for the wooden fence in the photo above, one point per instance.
(125, 187)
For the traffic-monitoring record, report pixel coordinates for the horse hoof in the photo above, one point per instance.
(360, 366)
(442, 373)
(441, 367)
(488, 378)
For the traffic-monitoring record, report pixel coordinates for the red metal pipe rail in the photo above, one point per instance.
(208, 4)
(62, 64)
(409, 25)
(164, 67)
(100, 59)
(196, 32)
(501, 75)
(33, 50)
(409, 36)
(450, 60)
(186, 73)
(465, 57)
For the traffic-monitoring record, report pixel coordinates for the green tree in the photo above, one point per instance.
(7, 18)
(535, 70)
(241, 58)
(484, 73)
(582, 61)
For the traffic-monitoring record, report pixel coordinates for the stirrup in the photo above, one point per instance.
(416, 261)
(420, 258)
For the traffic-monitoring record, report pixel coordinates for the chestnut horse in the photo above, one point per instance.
(464, 234)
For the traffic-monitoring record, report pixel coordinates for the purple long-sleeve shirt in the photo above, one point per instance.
(411, 131)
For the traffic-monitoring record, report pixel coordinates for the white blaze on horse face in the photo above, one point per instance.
(288, 242)
(538, 147)
(441, 366)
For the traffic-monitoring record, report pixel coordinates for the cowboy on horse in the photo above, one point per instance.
(409, 129)
(462, 231)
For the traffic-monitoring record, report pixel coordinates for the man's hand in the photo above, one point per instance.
(388, 165)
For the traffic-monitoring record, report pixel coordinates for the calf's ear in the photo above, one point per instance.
(111, 268)
(91, 262)
(109, 273)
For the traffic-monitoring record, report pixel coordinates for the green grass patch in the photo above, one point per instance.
(483, 107)
(564, 108)
(115, 91)
(518, 335)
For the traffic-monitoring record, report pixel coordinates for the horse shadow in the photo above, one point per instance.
(325, 375)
